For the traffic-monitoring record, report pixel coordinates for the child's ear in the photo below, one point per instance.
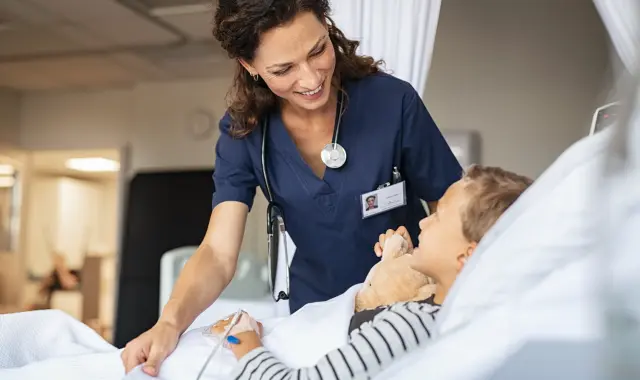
(466, 255)
(471, 248)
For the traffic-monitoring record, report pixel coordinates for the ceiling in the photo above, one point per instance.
(71, 44)
(53, 163)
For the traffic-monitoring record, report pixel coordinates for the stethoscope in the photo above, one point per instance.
(333, 156)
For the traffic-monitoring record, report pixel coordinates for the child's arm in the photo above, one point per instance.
(392, 334)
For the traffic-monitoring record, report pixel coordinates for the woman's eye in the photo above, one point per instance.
(319, 51)
(315, 53)
(282, 72)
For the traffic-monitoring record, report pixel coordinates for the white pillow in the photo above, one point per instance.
(550, 226)
(559, 314)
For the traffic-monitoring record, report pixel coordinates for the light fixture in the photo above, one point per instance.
(7, 181)
(6, 169)
(93, 164)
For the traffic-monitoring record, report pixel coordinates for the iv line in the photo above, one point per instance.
(234, 321)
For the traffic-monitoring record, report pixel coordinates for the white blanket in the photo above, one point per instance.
(324, 323)
(52, 345)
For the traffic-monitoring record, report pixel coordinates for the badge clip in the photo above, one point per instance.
(396, 177)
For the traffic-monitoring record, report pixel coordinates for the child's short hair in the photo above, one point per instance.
(492, 191)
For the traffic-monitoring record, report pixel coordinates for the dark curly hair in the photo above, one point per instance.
(239, 25)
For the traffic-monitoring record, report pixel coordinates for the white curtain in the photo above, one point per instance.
(401, 32)
(620, 201)
(622, 20)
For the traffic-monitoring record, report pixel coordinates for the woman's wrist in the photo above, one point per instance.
(171, 314)
(248, 341)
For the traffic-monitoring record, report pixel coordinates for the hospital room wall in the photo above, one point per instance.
(152, 118)
(527, 75)
(9, 118)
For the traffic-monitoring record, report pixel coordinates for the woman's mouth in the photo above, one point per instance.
(313, 94)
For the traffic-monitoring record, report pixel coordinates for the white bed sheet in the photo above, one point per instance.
(323, 323)
(50, 344)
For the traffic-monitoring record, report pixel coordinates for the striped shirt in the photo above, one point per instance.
(394, 332)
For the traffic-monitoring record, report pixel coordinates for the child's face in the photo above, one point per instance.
(442, 248)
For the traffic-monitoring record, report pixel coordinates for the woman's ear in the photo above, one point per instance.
(252, 71)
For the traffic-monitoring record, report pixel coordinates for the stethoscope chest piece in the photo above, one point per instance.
(333, 155)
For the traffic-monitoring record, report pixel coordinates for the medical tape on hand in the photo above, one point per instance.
(215, 349)
(245, 323)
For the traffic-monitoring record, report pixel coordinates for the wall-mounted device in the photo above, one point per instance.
(604, 117)
(465, 145)
(201, 124)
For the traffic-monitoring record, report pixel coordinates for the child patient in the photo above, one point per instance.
(447, 239)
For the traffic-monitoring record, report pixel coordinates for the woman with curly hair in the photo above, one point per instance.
(301, 100)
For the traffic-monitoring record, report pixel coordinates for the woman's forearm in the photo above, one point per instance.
(210, 269)
(200, 283)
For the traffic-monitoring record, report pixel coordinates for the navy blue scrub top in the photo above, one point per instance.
(384, 121)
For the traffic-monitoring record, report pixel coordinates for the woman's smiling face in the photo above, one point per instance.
(297, 62)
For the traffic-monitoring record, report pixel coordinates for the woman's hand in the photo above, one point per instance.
(151, 348)
(402, 231)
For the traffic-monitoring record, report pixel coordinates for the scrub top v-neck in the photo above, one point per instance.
(385, 124)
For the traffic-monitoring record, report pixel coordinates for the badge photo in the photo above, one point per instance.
(384, 199)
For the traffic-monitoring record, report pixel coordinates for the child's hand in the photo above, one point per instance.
(245, 323)
(402, 231)
(246, 334)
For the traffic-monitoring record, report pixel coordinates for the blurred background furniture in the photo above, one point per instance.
(164, 211)
(249, 289)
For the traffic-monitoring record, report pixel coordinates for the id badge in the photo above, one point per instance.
(382, 200)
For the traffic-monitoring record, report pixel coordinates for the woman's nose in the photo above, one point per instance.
(309, 78)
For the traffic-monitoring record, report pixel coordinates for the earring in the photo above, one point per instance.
(256, 77)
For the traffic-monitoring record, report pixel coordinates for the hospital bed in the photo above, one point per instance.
(248, 290)
(529, 292)
(524, 307)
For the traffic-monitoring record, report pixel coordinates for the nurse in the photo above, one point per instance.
(300, 85)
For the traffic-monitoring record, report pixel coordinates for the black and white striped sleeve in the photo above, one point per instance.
(392, 334)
